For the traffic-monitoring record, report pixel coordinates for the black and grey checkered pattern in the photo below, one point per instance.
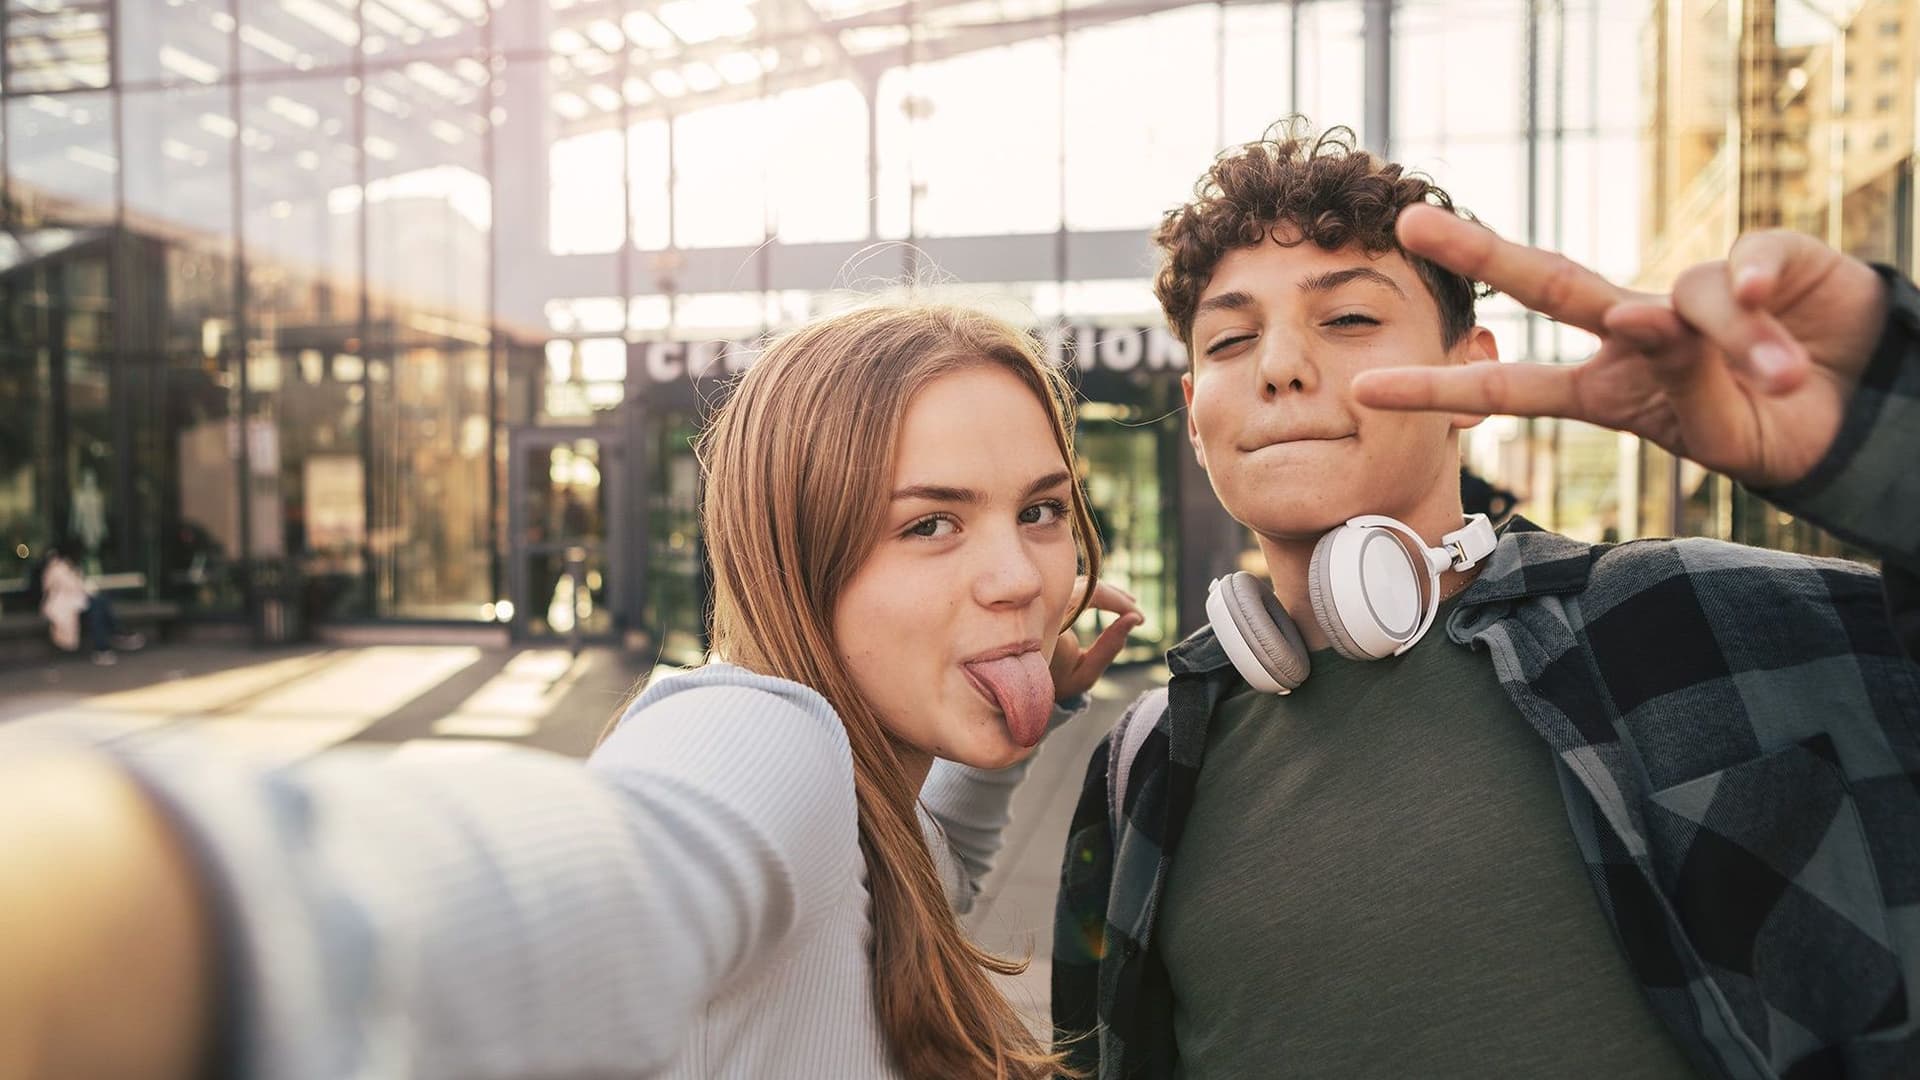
(1738, 734)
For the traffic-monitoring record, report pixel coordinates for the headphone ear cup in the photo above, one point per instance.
(1320, 593)
(1269, 629)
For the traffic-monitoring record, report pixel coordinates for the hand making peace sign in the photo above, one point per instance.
(1746, 367)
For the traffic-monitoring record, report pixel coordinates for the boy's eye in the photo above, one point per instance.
(1228, 343)
(1353, 320)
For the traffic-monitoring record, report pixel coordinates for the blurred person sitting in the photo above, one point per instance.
(70, 602)
(1645, 809)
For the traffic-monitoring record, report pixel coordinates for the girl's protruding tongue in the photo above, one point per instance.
(1023, 688)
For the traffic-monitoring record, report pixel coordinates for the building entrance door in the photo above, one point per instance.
(1128, 465)
(566, 508)
(675, 606)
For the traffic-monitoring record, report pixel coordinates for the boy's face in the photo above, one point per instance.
(1278, 336)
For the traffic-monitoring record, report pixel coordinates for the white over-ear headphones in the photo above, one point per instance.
(1369, 593)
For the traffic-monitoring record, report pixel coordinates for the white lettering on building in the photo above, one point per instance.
(1119, 349)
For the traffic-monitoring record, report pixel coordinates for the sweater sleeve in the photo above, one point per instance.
(966, 811)
(492, 912)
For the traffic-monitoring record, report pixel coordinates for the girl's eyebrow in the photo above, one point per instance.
(968, 496)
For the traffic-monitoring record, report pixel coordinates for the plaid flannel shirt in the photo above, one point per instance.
(1736, 733)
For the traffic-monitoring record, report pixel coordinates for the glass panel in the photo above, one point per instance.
(305, 360)
(568, 595)
(301, 204)
(179, 167)
(566, 498)
(1134, 145)
(533, 151)
(971, 145)
(647, 176)
(428, 205)
(1486, 176)
(585, 204)
(1332, 64)
(89, 468)
(1122, 462)
(720, 175)
(566, 517)
(1458, 77)
(1256, 71)
(26, 435)
(58, 45)
(398, 30)
(430, 479)
(183, 397)
(278, 36)
(676, 589)
(201, 543)
(61, 158)
(428, 223)
(184, 42)
(819, 140)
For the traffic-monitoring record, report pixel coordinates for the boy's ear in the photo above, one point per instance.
(1477, 347)
(1193, 433)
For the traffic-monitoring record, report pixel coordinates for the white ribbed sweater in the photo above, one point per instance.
(692, 904)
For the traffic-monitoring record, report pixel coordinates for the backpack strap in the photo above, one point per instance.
(1124, 743)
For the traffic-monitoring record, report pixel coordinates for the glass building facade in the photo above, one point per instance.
(408, 309)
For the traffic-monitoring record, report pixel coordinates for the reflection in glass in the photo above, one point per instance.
(181, 42)
(819, 155)
(1256, 59)
(720, 175)
(179, 148)
(567, 539)
(301, 207)
(295, 35)
(429, 204)
(430, 482)
(1133, 146)
(58, 46)
(26, 435)
(971, 144)
(61, 159)
(1123, 460)
(676, 596)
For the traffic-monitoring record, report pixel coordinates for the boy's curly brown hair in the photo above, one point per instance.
(1320, 188)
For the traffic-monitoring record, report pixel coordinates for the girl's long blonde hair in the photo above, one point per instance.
(799, 467)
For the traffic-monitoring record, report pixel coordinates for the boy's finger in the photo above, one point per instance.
(1479, 389)
(1754, 342)
(1545, 281)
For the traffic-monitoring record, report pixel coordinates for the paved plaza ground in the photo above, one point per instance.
(437, 699)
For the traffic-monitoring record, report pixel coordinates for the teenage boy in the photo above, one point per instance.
(1393, 869)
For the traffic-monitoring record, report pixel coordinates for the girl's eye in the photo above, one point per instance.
(1219, 346)
(1044, 513)
(933, 527)
(1354, 320)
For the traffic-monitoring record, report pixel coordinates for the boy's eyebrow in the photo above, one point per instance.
(1226, 301)
(1333, 279)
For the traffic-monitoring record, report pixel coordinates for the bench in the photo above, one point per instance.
(24, 636)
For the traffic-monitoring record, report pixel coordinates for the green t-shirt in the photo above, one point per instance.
(1378, 879)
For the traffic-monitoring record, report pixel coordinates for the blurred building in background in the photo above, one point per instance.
(404, 311)
(1797, 114)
